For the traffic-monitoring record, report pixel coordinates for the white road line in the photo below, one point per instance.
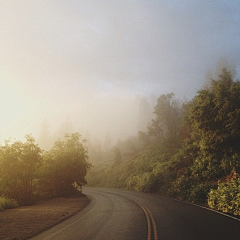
(72, 223)
(200, 206)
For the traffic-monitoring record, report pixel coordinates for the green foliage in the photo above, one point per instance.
(146, 182)
(167, 123)
(18, 165)
(188, 189)
(168, 115)
(65, 167)
(27, 174)
(187, 149)
(150, 171)
(226, 197)
(6, 203)
(215, 135)
(199, 192)
(215, 121)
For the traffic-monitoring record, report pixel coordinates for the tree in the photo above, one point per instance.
(18, 165)
(226, 197)
(31, 159)
(167, 123)
(66, 165)
(215, 122)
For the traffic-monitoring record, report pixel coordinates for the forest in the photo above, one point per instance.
(190, 150)
(29, 174)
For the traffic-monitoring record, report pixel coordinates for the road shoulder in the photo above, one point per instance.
(27, 221)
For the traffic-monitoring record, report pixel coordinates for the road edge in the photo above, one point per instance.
(207, 208)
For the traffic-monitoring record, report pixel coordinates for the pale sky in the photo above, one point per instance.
(85, 61)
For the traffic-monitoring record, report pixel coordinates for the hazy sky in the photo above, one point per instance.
(85, 61)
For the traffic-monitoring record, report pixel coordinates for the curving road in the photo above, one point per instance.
(126, 215)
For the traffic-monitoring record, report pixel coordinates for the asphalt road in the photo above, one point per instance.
(126, 215)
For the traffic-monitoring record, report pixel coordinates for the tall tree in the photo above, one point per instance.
(18, 165)
(67, 165)
(167, 123)
(215, 121)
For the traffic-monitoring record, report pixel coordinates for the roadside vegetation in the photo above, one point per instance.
(190, 151)
(6, 203)
(28, 174)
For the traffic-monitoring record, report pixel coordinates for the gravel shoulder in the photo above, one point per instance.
(27, 221)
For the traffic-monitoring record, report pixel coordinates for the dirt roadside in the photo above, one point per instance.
(27, 221)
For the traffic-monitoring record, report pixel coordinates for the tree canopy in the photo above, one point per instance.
(18, 165)
(66, 164)
(190, 151)
(27, 173)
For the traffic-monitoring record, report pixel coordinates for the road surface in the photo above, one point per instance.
(126, 215)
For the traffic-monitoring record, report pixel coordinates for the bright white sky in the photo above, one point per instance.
(85, 61)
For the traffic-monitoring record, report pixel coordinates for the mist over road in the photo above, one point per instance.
(124, 215)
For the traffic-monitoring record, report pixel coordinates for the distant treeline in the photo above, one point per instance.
(191, 150)
(28, 174)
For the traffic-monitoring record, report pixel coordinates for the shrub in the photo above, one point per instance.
(199, 192)
(6, 203)
(181, 188)
(226, 197)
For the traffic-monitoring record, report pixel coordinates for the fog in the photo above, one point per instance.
(90, 64)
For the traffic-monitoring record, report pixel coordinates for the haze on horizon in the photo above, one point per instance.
(87, 62)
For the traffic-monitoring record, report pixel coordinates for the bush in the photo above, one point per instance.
(6, 203)
(199, 193)
(226, 197)
(181, 188)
